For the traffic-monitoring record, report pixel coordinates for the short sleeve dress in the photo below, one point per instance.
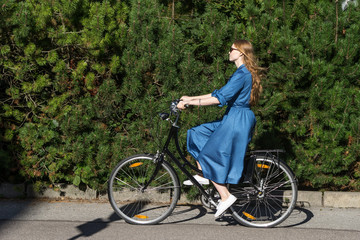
(220, 146)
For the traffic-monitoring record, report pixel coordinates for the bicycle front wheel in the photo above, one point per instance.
(138, 204)
(269, 199)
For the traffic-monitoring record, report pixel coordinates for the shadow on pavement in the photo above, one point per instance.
(10, 209)
(186, 215)
(298, 217)
(90, 228)
(305, 216)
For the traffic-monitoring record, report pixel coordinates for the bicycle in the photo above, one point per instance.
(145, 188)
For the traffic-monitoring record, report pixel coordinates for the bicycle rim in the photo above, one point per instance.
(270, 199)
(135, 204)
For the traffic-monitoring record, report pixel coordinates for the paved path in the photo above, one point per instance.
(96, 220)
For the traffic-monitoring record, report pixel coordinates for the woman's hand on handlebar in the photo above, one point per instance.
(185, 98)
(182, 105)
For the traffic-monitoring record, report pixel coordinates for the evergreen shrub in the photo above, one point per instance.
(82, 80)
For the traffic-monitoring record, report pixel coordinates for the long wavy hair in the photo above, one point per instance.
(251, 64)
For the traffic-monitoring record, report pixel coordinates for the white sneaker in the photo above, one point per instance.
(218, 204)
(200, 179)
(224, 205)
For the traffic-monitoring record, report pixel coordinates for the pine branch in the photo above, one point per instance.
(337, 20)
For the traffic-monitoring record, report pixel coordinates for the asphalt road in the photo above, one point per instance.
(95, 220)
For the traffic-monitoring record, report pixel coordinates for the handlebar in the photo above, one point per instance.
(173, 111)
(173, 106)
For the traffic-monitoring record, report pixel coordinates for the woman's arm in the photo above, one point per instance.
(188, 98)
(203, 100)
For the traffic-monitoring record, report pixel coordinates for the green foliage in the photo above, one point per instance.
(56, 75)
(82, 81)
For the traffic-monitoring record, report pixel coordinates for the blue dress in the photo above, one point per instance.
(220, 146)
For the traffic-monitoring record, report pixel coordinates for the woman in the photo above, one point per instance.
(219, 147)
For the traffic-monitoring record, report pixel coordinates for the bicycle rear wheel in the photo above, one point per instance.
(271, 197)
(139, 205)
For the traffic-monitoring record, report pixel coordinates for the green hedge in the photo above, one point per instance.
(82, 80)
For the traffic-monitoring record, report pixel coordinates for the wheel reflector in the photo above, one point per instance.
(141, 216)
(136, 164)
(262, 166)
(249, 216)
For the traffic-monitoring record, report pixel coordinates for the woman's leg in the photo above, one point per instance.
(223, 191)
(198, 165)
(199, 177)
(227, 199)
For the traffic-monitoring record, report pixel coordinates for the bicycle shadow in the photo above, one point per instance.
(298, 217)
(187, 214)
(90, 228)
(97, 225)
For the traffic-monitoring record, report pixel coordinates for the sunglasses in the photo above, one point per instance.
(232, 49)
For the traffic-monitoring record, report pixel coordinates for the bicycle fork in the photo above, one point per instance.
(159, 158)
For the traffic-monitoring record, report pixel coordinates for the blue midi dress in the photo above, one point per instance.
(220, 146)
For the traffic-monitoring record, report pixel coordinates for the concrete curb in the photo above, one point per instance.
(305, 198)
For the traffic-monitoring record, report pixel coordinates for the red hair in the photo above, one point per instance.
(251, 64)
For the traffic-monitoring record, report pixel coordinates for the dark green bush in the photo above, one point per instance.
(81, 81)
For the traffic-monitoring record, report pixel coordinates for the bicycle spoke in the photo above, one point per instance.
(132, 178)
(160, 176)
(270, 210)
(276, 186)
(126, 183)
(161, 187)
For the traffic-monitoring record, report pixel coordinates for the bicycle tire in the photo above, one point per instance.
(269, 199)
(136, 205)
